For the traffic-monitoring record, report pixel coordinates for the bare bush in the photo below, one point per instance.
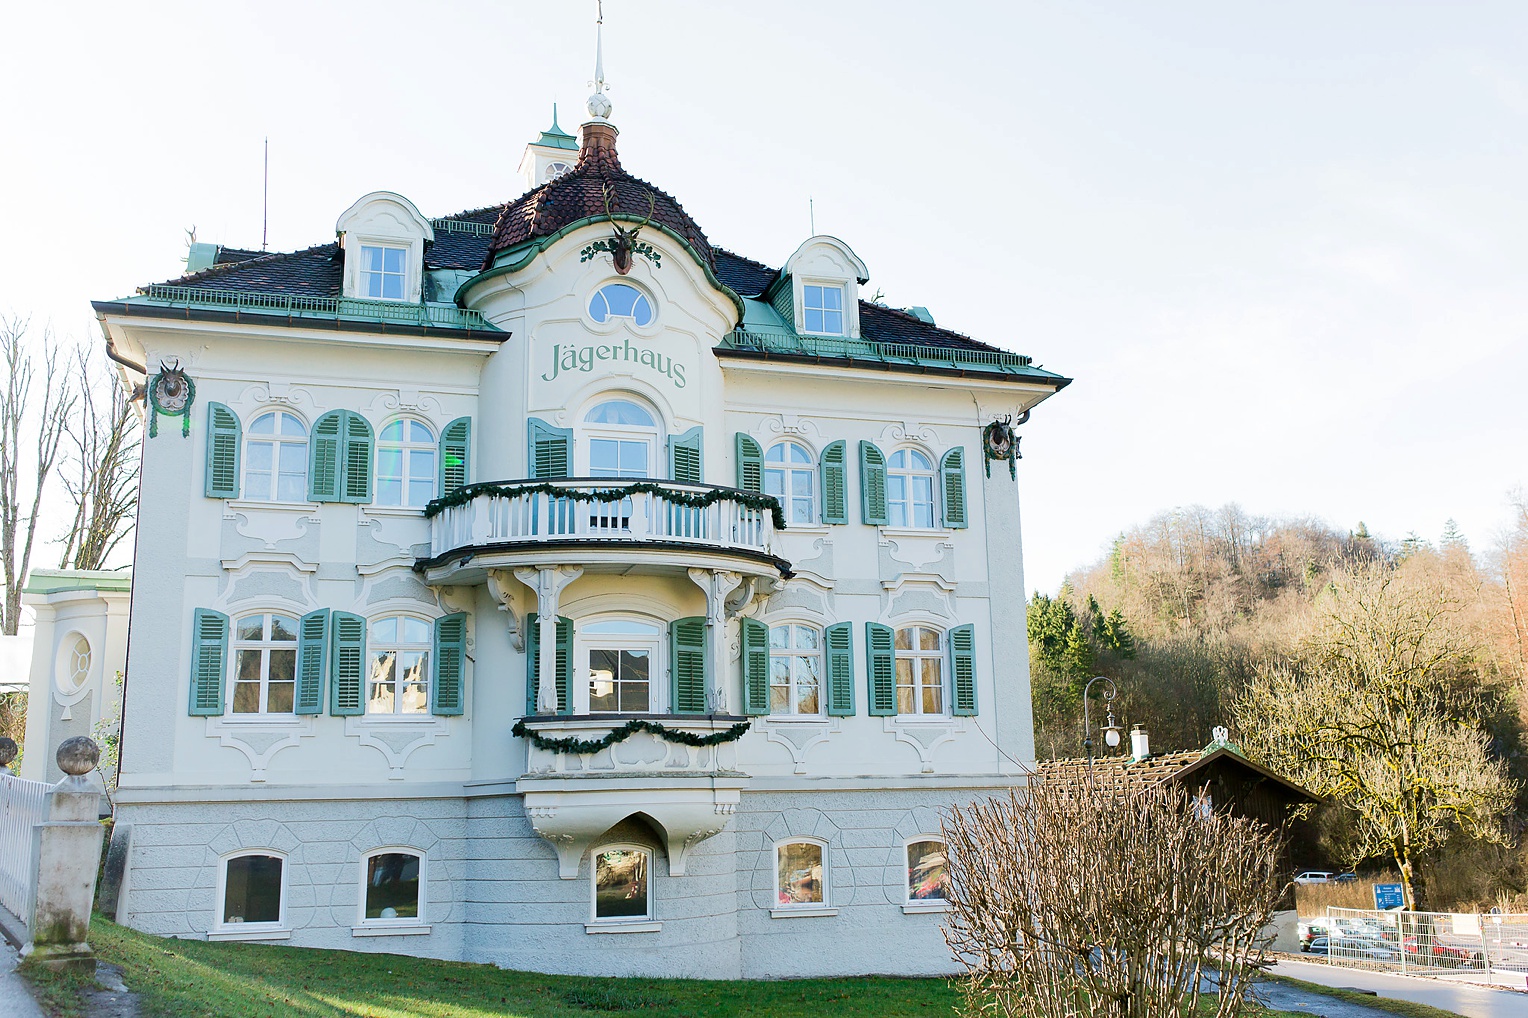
(1068, 901)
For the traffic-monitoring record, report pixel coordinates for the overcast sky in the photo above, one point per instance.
(1282, 248)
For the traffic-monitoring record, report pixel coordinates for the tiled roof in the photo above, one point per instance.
(743, 276)
(583, 192)
(890, 325)
(1121, 773)
(236, 254)
(455, 250)
(313, 272)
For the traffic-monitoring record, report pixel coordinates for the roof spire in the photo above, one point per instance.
(599, 103)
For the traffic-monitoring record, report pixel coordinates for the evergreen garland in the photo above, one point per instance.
(184, 413)
(750, 499)
(571, 745)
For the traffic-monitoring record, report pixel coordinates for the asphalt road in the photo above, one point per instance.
(1471, 1001)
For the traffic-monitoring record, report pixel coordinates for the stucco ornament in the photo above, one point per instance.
(172, 393)
(78, 756)
(1000, 443)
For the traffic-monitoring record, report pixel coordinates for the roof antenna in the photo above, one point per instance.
(265, 197)
(811, 214)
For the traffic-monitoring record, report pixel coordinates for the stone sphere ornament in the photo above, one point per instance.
(7, 751)
(78, 756)
(599, 106)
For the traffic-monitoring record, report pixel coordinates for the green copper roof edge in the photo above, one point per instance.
(769, 341)
(284, 305)
(52, 581)
(503, 267)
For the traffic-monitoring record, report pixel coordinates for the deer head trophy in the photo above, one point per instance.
(623, 243)
(172, 390)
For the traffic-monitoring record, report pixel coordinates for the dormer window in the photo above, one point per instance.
(822, 309)
(382, 272)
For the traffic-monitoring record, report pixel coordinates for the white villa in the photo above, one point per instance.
(542, 585)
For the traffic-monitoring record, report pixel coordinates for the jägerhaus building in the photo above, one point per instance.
(542, 585)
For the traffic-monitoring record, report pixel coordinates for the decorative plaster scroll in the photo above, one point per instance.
(503, 591)
(259, 584)
(910, 431)
(259, 743)
(397, 535)
(408, 400)
(718, 585)
(924, 600)
(788, 424)
(281, 394)
(395, 740)
(925, 736)
(274, 525)
(905, 552)
(799, 738)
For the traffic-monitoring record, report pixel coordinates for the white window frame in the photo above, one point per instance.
(939, 656)
(908, 504)
(407, 447)
(613, 320)
(807, 285)
(265, 645)
(278, 930)
(372, 647)
(785, 470)
(909, 903)
(656, 644)
(403, 925)
(276, 440)
(553, 171)
(364, 274)
(69, 680)
(802, 910)
(585, 434)
(793, 654)
(647, 923)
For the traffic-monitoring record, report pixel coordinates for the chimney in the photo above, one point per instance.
(596, 150)
(1140, 746)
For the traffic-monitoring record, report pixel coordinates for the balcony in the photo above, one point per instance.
(599, 523)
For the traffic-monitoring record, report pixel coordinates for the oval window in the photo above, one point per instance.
(620, 300)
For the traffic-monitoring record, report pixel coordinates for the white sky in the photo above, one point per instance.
(1283, 248)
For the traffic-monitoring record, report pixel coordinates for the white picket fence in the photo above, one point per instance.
(23, 805)
(1466, 946)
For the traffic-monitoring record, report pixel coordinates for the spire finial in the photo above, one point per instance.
(599, 103)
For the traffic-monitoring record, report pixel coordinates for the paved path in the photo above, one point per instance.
(15, 1000)
(1471, 1001)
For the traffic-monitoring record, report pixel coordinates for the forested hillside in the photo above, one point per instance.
(1304, 640)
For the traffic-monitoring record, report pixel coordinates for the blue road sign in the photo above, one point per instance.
(1389, 896)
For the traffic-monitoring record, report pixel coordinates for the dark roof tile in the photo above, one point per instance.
(313, 272)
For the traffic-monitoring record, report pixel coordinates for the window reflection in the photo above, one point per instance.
(800, 865)
(620, 884)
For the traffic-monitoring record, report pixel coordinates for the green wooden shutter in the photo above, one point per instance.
(750, 463)
(685, 457)
(963, 670)
(209, 661)
(551, 449)
(835, 483)
(755, 655)
(324, 457)
(564, 663)
(687, 665)
(222, 452)
(881, 668)
(872, 470)
(356, 472)
(312, 661)
(952, 473)
(839, 641)
(450, 652)
(455, 454)
(347, 666)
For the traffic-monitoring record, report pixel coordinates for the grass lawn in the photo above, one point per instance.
(182, 978)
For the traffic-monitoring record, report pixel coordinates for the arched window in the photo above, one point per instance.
(264, 664)
(795, 669)
(406, 473)
(252, 893)
(927, 869)
(920, 670)
(276, 459)
(622, 879)
(801, 866)
(621, 300)
(910, 489)
(620, 657)
(790, 474)
(398, 681)
(392, 888)
(620, 440)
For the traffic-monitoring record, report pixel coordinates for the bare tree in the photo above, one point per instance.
(101, 468)
(16, 396)
(1069, 901)
(1380, 710)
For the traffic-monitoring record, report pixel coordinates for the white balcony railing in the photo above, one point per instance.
(533, 516)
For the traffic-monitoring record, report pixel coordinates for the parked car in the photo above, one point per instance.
(1345, 878)
(1314, 877)
(1441, 954)
(1352, 948)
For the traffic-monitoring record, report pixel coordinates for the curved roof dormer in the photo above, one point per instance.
(818, 288)
(383, 237)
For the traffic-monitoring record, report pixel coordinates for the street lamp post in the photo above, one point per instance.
(1110, 729)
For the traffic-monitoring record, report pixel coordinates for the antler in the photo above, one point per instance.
(605, 193)
(651, 205)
